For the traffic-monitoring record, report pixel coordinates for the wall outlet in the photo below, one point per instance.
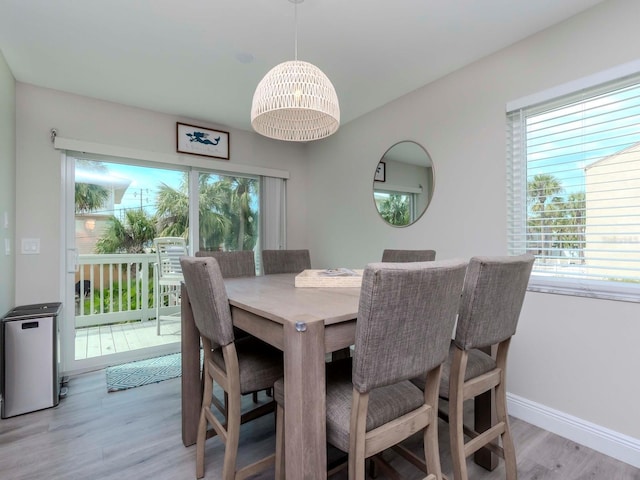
(7, 246)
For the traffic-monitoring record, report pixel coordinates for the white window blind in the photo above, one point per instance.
(573, 172)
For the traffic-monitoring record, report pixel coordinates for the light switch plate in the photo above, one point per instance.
(30, 246)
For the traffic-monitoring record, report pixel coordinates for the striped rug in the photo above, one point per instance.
(143, 372)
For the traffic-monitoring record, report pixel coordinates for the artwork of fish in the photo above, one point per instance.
(201, 137)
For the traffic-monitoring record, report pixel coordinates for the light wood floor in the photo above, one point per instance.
(135, 434)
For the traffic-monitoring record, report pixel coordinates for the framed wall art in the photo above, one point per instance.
(202, 141)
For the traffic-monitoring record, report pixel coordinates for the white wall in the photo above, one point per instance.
(575, 355)
(38, 185)
(7, 185)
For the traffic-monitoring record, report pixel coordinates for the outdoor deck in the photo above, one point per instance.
(108, 339)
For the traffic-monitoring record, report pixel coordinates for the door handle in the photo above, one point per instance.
(72, 260)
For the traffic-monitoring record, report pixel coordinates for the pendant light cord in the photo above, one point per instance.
(295, 35)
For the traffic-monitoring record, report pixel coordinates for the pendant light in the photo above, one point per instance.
(295, 101)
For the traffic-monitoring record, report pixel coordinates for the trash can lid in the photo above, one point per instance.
(39, 306)
(34, 311)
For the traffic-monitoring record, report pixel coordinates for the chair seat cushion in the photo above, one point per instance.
(260, 364)
(385, 404)
(477, 364)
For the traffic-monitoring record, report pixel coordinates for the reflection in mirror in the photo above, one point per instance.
(403, 183)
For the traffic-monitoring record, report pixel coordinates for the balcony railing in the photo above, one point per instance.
(114, 288)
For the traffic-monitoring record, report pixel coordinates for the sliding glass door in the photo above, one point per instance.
(117, 211)
(114, 211)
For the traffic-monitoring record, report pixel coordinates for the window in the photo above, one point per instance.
(574, 190)
(396, 208)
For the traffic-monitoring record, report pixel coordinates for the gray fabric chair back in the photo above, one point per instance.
(408, 255)
(285, 261)
(208, 297)
(233, 264)
(405, 319)
(492, 298)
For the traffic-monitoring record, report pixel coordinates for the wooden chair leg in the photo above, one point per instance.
(456, 420)
(201, 437)
(431, 450)
(508, 448)
(232, 440)
(357, 433)
(200, 444)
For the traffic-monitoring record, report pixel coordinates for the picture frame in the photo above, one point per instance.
(202, 141)
(380, 172)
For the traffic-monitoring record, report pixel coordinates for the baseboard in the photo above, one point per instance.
(617, 445)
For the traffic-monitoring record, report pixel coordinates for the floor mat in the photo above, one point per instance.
(143, 372)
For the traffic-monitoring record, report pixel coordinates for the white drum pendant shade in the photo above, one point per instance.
(295, 102)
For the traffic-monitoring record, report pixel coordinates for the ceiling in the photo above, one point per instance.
(203, 59)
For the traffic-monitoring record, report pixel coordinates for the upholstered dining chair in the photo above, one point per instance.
(168, 277)
(239, 366)
(408, 255)
(405, 318)
(239, 263)
(285, 261)
(234, 264)
(492, 298)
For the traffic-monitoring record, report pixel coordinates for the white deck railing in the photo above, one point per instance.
(113, 288)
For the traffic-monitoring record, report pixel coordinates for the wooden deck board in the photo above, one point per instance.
(119, 338)
(108, 339)
(107, 345)
(81, 343)
(94, 348)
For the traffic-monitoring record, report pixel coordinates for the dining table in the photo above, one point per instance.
(305, 324)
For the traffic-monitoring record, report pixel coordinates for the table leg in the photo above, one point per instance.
(191, 380)
(305, 400)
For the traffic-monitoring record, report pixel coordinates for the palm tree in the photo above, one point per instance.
(395, 210)
(541, 188)
(133, 236)
(90, 197)
(172, 210)
(242, 235)
(226, 216)
(573, 223)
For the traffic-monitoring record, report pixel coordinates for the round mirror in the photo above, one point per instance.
(403, 183)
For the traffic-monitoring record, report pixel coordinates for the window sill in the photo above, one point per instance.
(622, 292)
